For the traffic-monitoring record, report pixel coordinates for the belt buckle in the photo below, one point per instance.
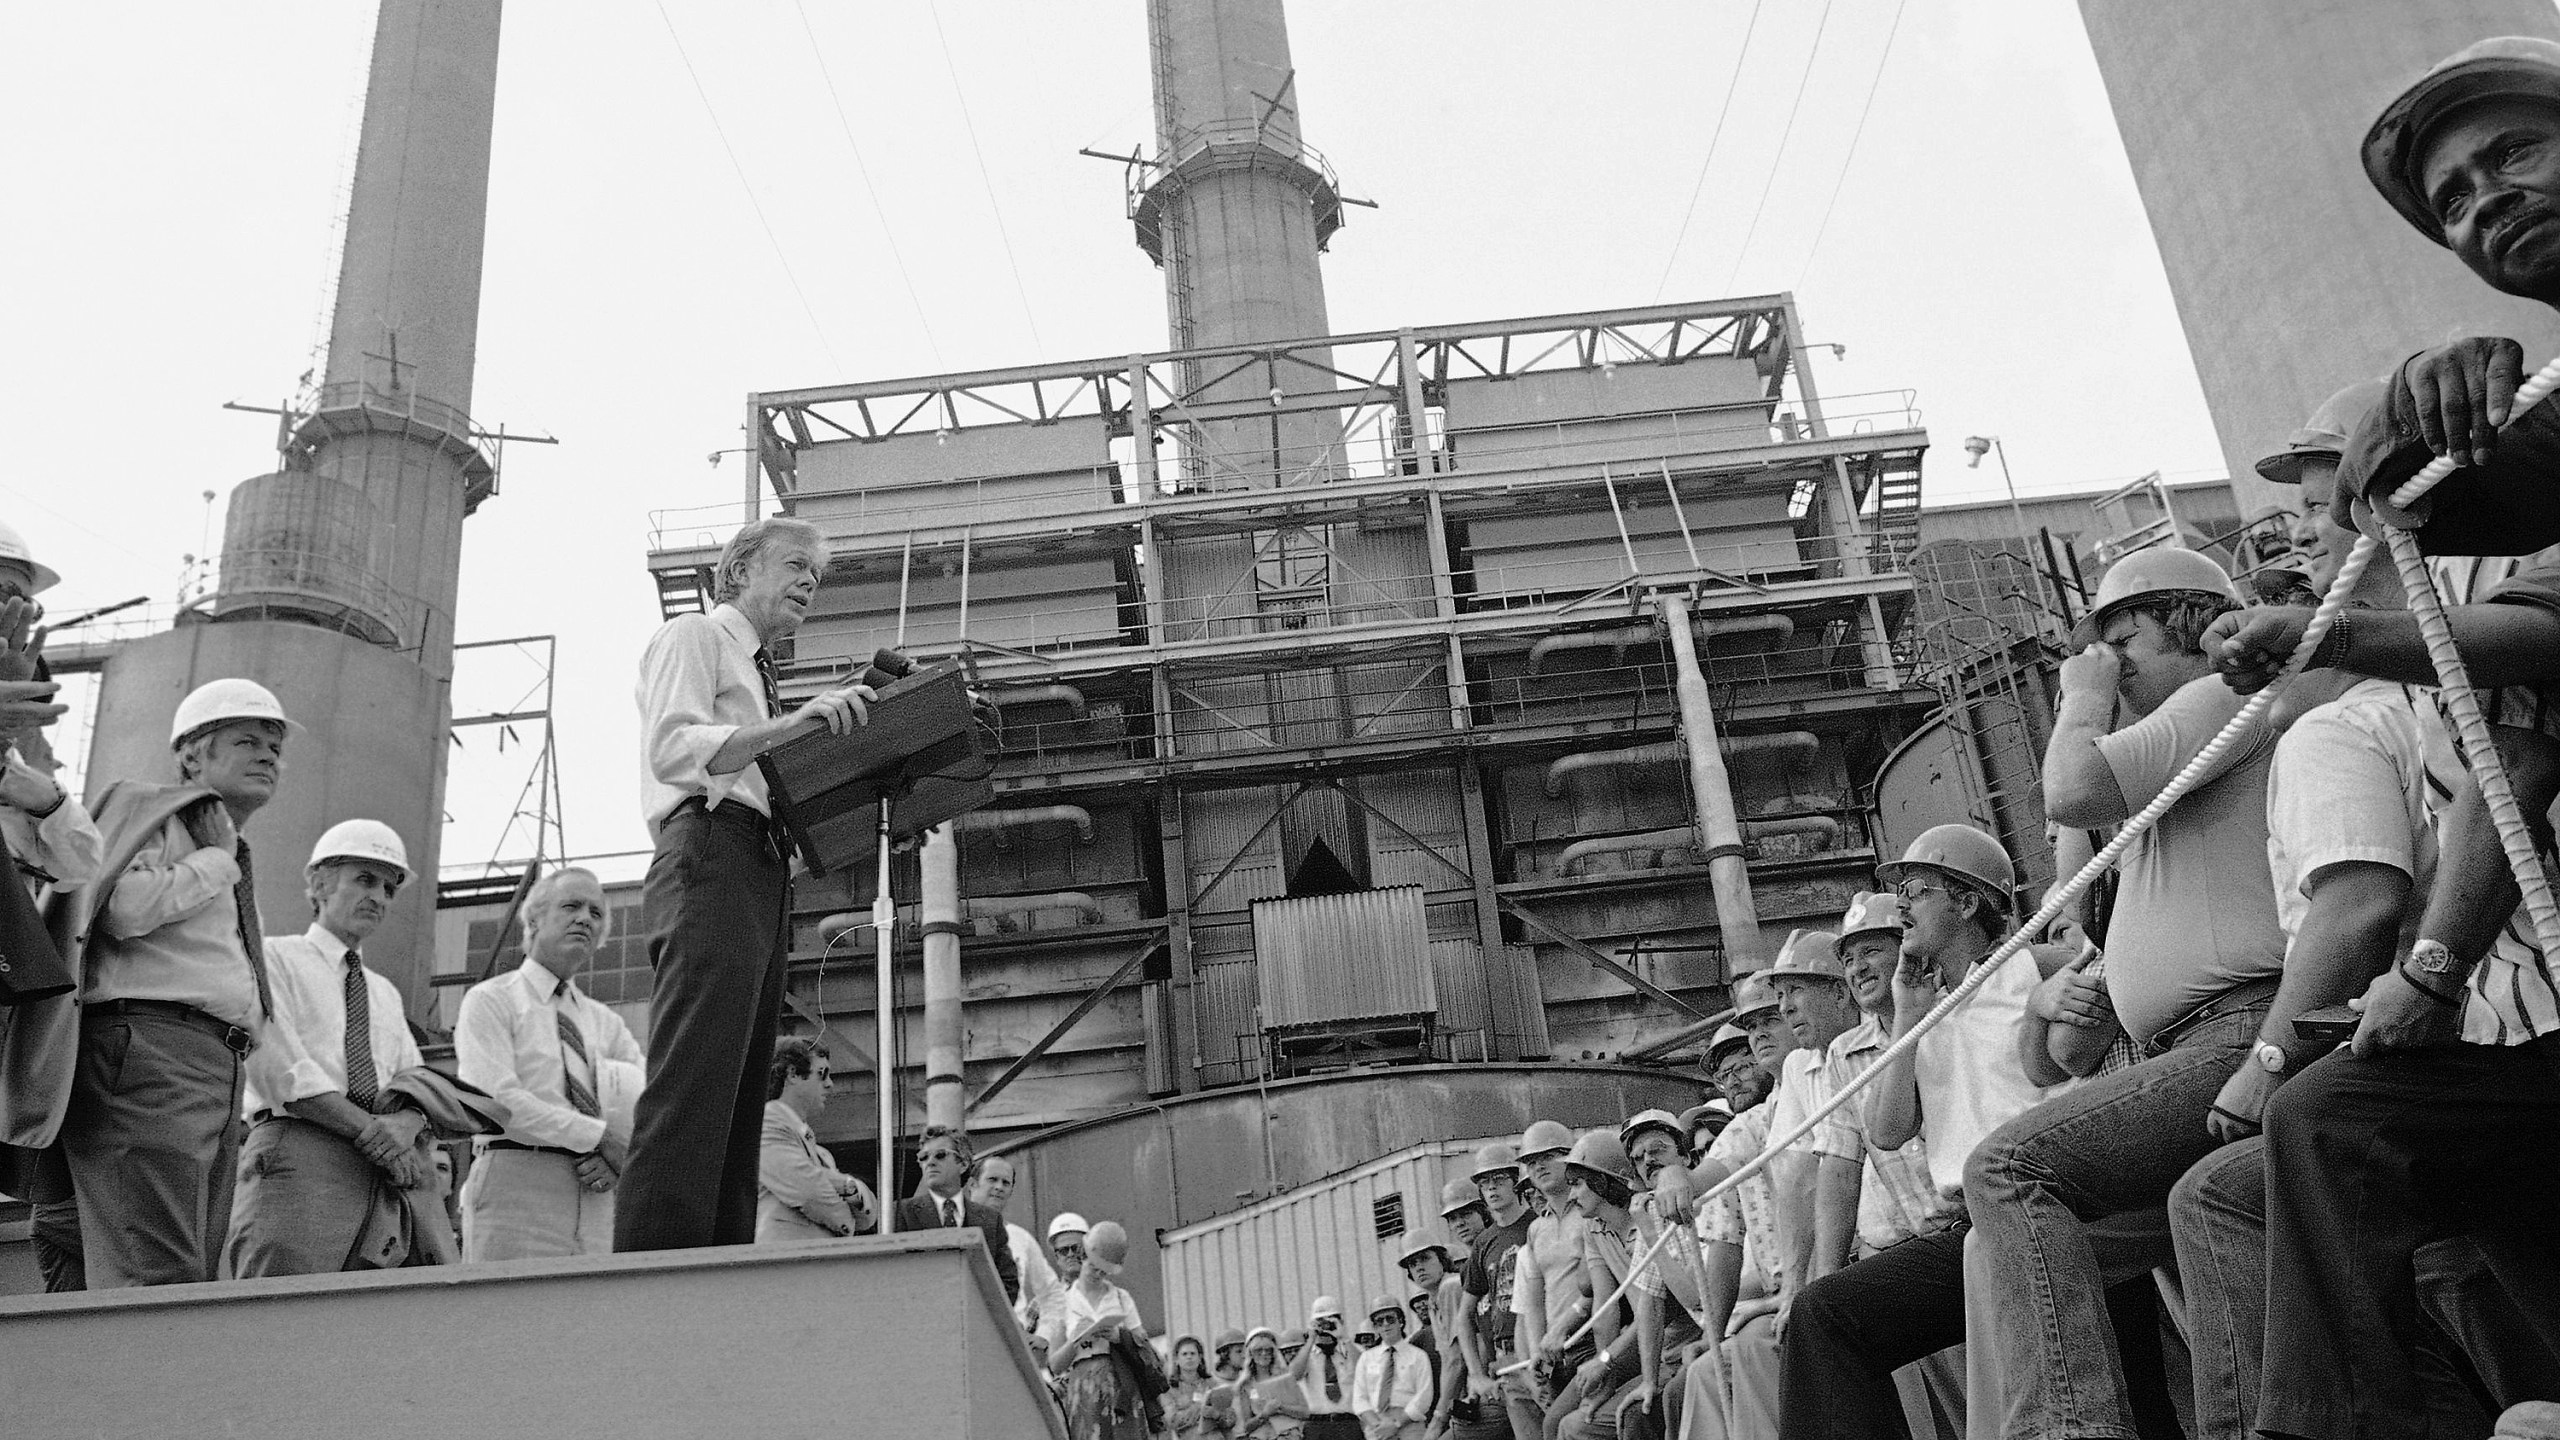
(238, 1041)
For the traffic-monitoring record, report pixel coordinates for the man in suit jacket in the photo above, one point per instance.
(800, 1194)
(947, 1159)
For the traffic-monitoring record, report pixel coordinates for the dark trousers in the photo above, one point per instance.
(153, 1137)
(714, 903)
(1850, 1330)
(2367, 1161)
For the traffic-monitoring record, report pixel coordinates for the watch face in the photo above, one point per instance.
(2431, 957)
(2271, 1058)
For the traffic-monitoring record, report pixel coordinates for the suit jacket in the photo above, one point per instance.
(923, 1211)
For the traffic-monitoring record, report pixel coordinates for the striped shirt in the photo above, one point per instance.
(2363, 778)
(1896, 1198)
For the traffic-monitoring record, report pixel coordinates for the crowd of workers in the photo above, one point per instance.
(2284, 1094)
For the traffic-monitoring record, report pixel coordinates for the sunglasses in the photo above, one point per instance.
(1910, 890)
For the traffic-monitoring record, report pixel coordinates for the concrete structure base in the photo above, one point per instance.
(894, 1337)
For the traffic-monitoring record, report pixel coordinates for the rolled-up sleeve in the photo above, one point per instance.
(679, 688)
(155, 890)
(2147, 754)
(2335, 796)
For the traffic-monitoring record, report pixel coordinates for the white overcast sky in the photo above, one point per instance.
(175, 171)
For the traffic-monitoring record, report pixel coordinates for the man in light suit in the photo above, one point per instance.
(946, 1158)
(800, 1194)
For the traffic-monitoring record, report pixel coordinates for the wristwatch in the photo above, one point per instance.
(2271, 1057)
(2430, 957)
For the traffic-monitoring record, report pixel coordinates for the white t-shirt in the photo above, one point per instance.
(1971, 1079)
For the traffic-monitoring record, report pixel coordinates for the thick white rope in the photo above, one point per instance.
(2487, 773)
(2480, 751)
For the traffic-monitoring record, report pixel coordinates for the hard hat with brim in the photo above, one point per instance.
(1599, 1152)
(1067, 1222)
(1643, 1120)
(1960, 852)
(1325, 1305)
(2161, 573)
(2324, 435)
(1499, 1158)
(1753, 996)
(2507, 67)
(1459, 1196)
(13, 546)
(1807, 955)
(1227, 1340)
(1384, 1305)
(1544, 1137)
(1726, 1037)
(1107, 1243)
(218, 702)
(1871, 911)
(1419, 1244)
(360, 840)
(1292, 1338)
(1262, 1332)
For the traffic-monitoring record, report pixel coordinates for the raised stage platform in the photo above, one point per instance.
(899, 1337)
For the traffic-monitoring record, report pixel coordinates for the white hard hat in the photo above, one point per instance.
(13, 546)
(1325, 1305)
(218, 700)
(1067, 1222)
(362, 840)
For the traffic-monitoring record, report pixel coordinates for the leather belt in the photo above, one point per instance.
(739, 813)
(237, 1040)
(536, 1149)
(2238, 997)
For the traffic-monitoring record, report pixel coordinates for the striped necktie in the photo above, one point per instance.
(770, 675)
(364, 1084)
(582, 1096)
(244, 898)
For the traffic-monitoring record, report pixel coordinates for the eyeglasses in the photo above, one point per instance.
(1068, 1252)
(1910, 890)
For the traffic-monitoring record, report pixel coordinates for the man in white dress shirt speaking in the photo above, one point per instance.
(719, 887)
(566, 1068)
(325, 1131)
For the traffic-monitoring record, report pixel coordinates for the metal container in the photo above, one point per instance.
(1327, 959)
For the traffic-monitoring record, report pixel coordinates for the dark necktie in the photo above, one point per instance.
(244, 898)
(364, 1085)
(582, 1096)
(1387, 1382)
(771, 677)
(1332, 1382)
(951, 1213)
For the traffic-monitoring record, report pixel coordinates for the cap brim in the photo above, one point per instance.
(1794, 974)
(2390, 150)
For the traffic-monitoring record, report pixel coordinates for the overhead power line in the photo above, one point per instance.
(1714, 136)
(740, 170)
(887, 232)
(1873, 84)
(971, 127)
(1778, 161)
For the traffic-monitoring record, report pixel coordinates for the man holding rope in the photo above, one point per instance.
(2446, 1119)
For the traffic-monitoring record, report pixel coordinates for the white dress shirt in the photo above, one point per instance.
(304, 1050)
(176, 929)
(1077, 1309)
(1409, 1399)
(1039, 1277)
(507, 1042)
(698, 686)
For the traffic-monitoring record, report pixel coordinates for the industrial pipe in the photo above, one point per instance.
(1822, 825)
(990, 907)
(1696, 1030)
(1804, 744)
(1684, 837)
(945, 1094)
(1003, 696)
(998, 822)
(1665, 752)
(1736, 916)
(1619, 638)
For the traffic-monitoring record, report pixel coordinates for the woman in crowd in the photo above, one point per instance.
(1103, 1402)
(1186, 1404)
(1269, 1405)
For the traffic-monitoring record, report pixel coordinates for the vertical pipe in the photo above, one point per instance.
(1736, 918)
(884, 930)
(945, 1090)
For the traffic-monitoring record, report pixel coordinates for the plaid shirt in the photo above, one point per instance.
(1896, 1198)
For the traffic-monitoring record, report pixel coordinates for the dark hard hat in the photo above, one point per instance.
(2324, 435)
(2523, 67)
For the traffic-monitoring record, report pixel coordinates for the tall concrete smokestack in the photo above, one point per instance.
(339, 572)
(2292, 277)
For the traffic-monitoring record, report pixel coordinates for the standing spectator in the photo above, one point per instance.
(1456, 1412)
(1268, 1404)
(990, 1187)
(1066, 1257)
(1551, 1298)
(1323, 1372)
(1488, 1339)
(1186, 1397)
(718, 888)
(327, 1143)
(1425, 1263)
(554, 1056)
(946, 1160)
(177, 998)
(1391, 1393)
(1102, 1402)
(800, 1194)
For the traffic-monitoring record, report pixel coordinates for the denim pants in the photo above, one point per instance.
(2113, 1146)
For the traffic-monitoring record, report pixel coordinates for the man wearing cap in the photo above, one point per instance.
(1551, 1298)
(800, 1194)
(2193, 953)
(325, 1135)
(1850, 1330)
(566, 1067)
(1813, 999)
(1391, 1389)
(177, 995)
(1895, 1198)
(1744, 1257)
(718, 890)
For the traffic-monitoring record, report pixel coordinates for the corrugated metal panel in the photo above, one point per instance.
(1331, 958)
(1225, 999)
(1265, 1265)
(1160, 1060)
(1466, 1012)
(1529, 1021)
(1426, 805)
(1217, 825)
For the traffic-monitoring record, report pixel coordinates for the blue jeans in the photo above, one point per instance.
(2113, 1146)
